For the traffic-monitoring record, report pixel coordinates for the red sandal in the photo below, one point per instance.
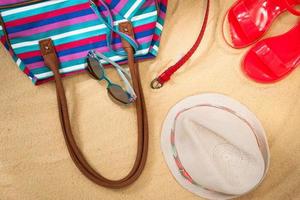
(248, 20)
(274, 58)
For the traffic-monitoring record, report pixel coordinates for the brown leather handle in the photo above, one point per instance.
(51, 60)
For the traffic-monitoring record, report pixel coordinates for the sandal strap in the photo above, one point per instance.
(291, 8)
(249, 26)
(270, 59)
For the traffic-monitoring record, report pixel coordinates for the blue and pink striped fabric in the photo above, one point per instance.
(75, 29)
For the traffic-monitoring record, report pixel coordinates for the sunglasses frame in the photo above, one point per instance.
(107, 79)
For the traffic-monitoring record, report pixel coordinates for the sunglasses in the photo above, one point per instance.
(97, 71)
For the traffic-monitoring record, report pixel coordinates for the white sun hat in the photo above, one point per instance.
(215, 147)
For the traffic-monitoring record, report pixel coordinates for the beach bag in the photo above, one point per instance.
(50, 39)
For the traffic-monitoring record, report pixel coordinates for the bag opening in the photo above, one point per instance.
(5, 4)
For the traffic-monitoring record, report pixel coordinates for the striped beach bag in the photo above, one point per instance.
(50, 39)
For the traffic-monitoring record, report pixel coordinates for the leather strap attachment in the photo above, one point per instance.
(126, 27)
(49, 54)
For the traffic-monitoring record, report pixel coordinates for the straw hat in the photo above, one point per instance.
(215, 147)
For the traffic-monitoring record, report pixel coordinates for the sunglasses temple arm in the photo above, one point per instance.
(127, 83)
(116, 65)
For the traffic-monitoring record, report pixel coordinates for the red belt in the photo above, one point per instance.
(159, 82)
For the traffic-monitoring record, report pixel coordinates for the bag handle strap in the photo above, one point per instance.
(164, 77)
(52, 61)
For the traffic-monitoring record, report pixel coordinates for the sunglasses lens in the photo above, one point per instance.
(94, 68)
(119, 94)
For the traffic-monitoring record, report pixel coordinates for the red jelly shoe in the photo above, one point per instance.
(274, 58)
(248, 20)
